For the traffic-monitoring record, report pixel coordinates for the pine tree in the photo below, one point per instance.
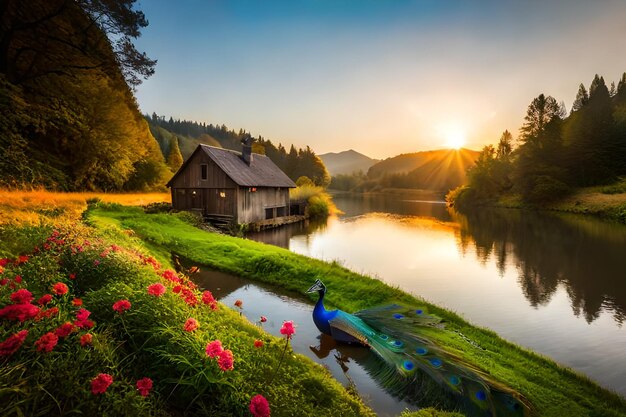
(582, 98)
(175, 158)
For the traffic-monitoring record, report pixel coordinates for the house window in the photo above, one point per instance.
(223, 194)
(204, 171)
(280, 211)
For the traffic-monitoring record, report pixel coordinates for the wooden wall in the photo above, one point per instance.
(191, 178)
(251, 206)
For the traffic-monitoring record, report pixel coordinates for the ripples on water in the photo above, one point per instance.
(555, 283)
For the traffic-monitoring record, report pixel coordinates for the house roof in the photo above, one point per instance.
(262, 172)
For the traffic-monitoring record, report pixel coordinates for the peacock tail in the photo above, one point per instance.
(411, 363)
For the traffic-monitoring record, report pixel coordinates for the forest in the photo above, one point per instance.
(555, 153)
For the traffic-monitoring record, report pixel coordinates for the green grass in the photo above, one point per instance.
(552, 389)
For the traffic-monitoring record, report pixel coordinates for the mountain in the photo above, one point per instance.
(346, 162)
(442, 169)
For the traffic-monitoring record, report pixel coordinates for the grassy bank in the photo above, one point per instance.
(607, 202)
(98, 268)
(553, 390)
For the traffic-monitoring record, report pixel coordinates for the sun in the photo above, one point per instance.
(455, 138)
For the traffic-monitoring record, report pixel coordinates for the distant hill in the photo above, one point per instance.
(347, 162)
(434, 170)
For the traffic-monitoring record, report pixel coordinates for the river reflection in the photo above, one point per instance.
(554, 283)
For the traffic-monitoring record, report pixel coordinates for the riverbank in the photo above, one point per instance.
(553, 390)
(606, 202)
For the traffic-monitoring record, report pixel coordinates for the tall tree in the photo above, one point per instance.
(63, 37)
(505, 146)
(582, 98)
(541, 111)
(175, 158)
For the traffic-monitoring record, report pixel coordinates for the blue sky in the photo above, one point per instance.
(379, 76)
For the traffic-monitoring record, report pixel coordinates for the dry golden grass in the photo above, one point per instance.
(34, 207)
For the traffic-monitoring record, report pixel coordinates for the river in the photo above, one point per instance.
(555, 283)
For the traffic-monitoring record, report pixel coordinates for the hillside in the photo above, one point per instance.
(434, 170)
(347, 162)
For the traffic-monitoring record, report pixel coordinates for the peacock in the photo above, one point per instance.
(392, 333)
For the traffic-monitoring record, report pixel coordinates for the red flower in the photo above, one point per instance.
(259, 407)
(82, 314)
(238, 303)
(13, 343)
(225, 360)
(84, 324)
(258, 343)
(21, 312)
(85, 340)
(144, 385)
(21, 260)
(96, 262)
(263, 319)
(77, 302)
(22, 296)
(45, 299)
(177, 289)
(191, 324)
(157, 289)
(207, 297)
(64, 330)
(60, 289)
(189, 297)
(18, 279)
(170, 275)
(121, 306)
(214, 348)
(47, 342)
(72, 276)
(288, 329)
(44, 314)
(4, 262)
(100, 383)
(4, 281)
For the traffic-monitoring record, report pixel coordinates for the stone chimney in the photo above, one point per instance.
(246, 149)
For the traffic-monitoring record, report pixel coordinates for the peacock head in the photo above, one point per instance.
(318, 286)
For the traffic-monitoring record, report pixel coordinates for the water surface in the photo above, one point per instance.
(555, 283)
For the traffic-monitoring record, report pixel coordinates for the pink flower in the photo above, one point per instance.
(96, 262)
(60, 288)
(191, 324)
(225, 360)
(64, 330)
(45, 299)
(157, 289)
(85, 340)
(100, 383)
(20, 312)
(258, 343)
(144, 385)
(259, 407)
(82, 314)
(121, 306)
(13, 343)
(214, 348)
(288, 329)
(263, 319)
(22, 296)
(47, 342)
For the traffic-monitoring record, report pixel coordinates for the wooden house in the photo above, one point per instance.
(226, 184)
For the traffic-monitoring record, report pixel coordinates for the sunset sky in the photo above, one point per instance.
(382, 77)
